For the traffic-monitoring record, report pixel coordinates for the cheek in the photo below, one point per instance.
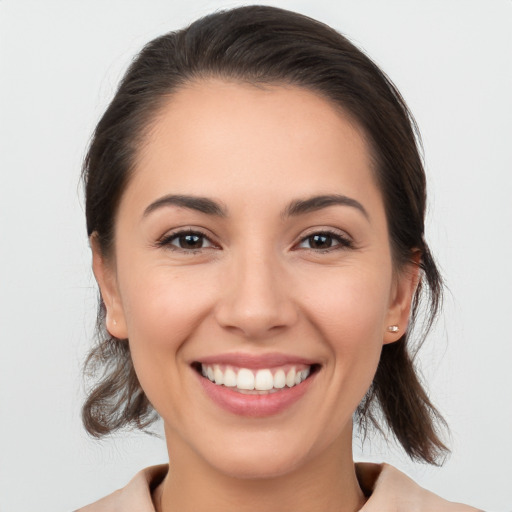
(163, 307)
(164, 304)
(349, 306)
(349, 312)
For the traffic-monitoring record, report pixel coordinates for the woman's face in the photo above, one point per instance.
(251, 245)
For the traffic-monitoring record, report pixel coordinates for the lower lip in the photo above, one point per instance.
(255, 405)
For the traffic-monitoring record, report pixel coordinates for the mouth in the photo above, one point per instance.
(256, 381)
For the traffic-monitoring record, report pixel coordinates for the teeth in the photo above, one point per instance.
(290, 378)
(264, 380)
(260, 381)
(218, 375)
(229, 378)
(245, 379)
(279, 379)
(301, 376)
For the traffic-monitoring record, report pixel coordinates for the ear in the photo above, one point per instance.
(402, 294)
(105, 274)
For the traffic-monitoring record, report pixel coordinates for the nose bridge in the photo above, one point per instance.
(256, 300)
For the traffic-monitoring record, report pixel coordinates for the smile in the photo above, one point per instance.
(252, 381)
(255, 386)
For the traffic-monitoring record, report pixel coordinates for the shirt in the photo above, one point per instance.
(134, 497)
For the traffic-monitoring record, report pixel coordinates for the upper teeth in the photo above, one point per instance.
(261, 380)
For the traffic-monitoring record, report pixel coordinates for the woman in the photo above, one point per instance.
(255, 205)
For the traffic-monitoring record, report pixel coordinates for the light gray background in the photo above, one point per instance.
(59, 64)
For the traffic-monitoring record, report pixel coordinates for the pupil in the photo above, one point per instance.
(321, 241)
(190, 241)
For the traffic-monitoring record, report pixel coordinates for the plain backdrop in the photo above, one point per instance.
(60, 62)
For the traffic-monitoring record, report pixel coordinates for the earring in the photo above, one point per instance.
(393, 328)
(115, 321)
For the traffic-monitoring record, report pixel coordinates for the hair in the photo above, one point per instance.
(266, 45)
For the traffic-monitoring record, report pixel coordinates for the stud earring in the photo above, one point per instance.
(393, 328)
(115, 321)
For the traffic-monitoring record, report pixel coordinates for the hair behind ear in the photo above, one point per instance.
(398, 395)
(116, 399)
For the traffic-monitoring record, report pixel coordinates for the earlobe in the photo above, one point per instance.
(105, 275)
(397, 319)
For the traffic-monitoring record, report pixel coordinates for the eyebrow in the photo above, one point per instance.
(295, 208)
(312, 204)
(200, 204)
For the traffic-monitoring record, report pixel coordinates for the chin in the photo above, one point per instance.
(257, 465)
(259, 454)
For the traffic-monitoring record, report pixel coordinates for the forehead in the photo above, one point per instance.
(216, 137)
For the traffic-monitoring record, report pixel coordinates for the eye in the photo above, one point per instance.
(325, 241)
(186, 241)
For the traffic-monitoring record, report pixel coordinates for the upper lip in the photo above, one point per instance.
(246, 360)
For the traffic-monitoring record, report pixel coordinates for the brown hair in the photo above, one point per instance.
(264, 45)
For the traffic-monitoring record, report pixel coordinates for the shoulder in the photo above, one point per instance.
(391, 490)
(135, 496)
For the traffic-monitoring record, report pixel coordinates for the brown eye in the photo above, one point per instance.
(186, 241)
(325, 241)
(320, 241)
(191, 241)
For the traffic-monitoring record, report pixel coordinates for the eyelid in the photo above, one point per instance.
(165, 240)
(345, 241)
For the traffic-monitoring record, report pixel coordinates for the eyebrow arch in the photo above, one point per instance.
(302, 206)
(297, 207)
(201, 204)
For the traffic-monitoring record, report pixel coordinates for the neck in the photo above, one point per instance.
(326, 482)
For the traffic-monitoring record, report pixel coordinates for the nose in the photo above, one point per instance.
(256, 299)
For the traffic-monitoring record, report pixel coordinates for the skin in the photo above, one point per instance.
(257, 285)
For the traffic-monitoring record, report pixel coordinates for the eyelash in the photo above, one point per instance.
(166, 241)
(343, 242)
